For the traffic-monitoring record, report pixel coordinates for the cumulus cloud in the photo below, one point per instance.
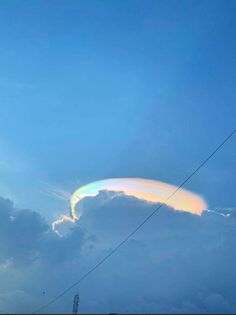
(177, 263)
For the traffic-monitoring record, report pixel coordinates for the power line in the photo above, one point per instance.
(137, 228)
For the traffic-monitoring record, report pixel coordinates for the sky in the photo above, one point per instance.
(91, 90)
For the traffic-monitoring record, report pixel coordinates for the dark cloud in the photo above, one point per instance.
(177, 263)
(21, 232)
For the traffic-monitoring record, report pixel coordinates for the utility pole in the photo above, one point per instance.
(76, 304)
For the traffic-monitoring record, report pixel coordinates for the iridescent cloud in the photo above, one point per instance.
(144, 189)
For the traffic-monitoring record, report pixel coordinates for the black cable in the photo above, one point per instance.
(137, 228)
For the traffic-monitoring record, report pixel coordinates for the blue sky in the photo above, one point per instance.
(99, 89)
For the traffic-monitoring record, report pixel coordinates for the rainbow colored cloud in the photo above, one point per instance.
(144, 189)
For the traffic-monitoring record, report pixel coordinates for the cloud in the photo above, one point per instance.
(151, 191)
(177, 263)
(20, 232)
